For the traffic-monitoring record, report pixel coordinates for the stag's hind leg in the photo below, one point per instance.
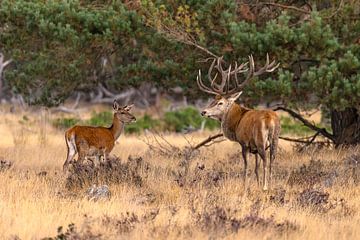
(272, 158)
(262, 154)
(273, 151)
(244, 155)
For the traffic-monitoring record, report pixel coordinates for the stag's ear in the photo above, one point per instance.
(218, 97)
(235, 96)
(128, 108)
(116, 106)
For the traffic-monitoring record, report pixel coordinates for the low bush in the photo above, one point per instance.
(100, 119)
(293, 127)
(186, 118)
(145, 122)
(181, 120)
(65, 123)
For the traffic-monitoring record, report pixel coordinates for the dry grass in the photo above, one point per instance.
(207, 201)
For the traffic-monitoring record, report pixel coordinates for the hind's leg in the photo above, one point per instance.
(105, 155)
(83, 151)
(71, 152)
(257, 168)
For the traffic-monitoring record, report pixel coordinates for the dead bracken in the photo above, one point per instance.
(113, 171)
(308, 175)
(4, 164)
(221, 222)
(313, 198)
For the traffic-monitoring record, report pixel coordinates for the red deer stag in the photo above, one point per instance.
(86, 140)
(255, 130)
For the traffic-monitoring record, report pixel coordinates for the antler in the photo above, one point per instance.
(223, 88)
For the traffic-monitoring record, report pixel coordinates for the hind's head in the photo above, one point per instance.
(122, 113)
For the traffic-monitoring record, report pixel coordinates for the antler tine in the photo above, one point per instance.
(239, 70)
(211, 68)
(228, 78)
(274, 68)
(249, 75)
(224, 79)
(223, 88)
(202, 85)
(219, 66)
(219, 88)
(268, 67)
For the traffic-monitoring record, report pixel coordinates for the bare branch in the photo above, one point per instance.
(65, 110)
(2, 67)
(341, 4)
(179, 35)
(307, 140)
(158, 144)
(295, 115)
(106, 91)
(77, 100)
(285, 7)
(72, 109)
(121, 96)
(206, 141)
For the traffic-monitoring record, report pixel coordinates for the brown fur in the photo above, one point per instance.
(255, 130)
(87, 140)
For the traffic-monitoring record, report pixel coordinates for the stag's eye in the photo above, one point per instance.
(220, 103)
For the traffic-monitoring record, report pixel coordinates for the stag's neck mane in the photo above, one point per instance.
(117, 128)
(231, 119)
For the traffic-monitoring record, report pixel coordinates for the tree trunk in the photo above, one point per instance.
(346, 126)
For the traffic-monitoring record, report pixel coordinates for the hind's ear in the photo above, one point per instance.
(234, 97)
(116, 106)
(128, 108)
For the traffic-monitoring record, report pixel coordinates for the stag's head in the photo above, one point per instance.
(230, 87)
(123, 113)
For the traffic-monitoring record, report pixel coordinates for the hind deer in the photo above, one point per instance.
(87, 140)
(254, 130)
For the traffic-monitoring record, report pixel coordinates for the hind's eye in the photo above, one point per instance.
(220, 103)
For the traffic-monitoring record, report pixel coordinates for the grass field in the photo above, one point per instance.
(315, 194)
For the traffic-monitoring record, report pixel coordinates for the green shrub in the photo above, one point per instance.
(145, 122)
(172, 121)
(65, 123)
(186, 117)
(103, 119)
(290, 126)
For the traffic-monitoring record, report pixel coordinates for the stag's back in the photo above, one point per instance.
(254, 128)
